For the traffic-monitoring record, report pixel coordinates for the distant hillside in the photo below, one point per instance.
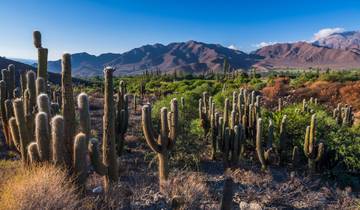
(53, 77)
(191, 57)
(305, 55)
(349, 40)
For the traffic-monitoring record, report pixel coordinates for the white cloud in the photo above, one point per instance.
(233, 47)
(325, 32)
(264, 44)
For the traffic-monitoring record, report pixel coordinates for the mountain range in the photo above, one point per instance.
(336, 51)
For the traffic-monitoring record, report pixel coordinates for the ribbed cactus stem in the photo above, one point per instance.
(15, 133)
(84, 114)
(40, 86)
(283, 140)
(23, 130)
(42, 136)
(312, 150)
(43, 104)
(166, 140)
(23, 82)
(42, 63)
(33, 153)
(262, 155)
(94, 154)
(68, 106)
(11, 82)
(31, 88)
(79, 161)
(226, 112)
(37, 39)
(122, 117)
(109, 150)
(57, 140)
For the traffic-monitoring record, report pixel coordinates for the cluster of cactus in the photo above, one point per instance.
(344, 115)
(305, 105)
(205, 109)
(313, 151)
(162, 142)
(264, 154)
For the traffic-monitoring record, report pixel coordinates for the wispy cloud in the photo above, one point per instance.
(264, 44)
(233, 47)
(325, 32)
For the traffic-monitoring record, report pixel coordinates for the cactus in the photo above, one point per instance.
(10, 84)
(57, 140)
(32, 153)
(122, 117)
(280, 104)
(42, 136)
(312, 150)
(68, 106)
(42, 56)
(165, 141)
(84, 115)
(31, 91)
(3, 113)
(295, 157)
(283, 140)
(79, 164)
(204, 113)
(15, 133)
(215, 129)
(40, 86)
(109, 149)
(23, 130)
(262, 155)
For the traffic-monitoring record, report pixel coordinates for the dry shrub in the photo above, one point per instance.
(41, 187)
(187, 191)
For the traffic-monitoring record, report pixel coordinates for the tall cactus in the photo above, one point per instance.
(215, 129)
(283, 140)
(68, 106)
(42, 56)
(165, 141)
(109, 149)
(4, 117)
(204, 116)
(263, 156)
(312, 150)
(122, 117)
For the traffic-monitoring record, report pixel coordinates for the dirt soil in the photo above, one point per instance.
(280, 188)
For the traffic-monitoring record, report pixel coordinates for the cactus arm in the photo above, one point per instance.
(32, 153)
(15, 133)
(312, 133)
(84, 114)
(23, 130)
(306, 142)
(79, 160)
(148, 129)
(42, 136)
(94, 154)
(173, 118)
(259, 148)
(320, 152)
(57, 140)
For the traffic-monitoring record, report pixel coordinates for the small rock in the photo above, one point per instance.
(252, 206)
(244, 206)
(255, 206)
(98, 189)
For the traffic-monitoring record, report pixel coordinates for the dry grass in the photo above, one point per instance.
(187, 191)
(7, 169)
(42, 187)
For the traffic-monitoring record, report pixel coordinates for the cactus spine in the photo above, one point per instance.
(312, 150)
(165, 141)
(23, 130)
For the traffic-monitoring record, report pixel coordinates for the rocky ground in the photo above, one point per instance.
(279, 188)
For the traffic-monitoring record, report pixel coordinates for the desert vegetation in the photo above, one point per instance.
(217, 140)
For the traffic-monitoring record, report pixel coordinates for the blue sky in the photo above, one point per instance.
(99, 26)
